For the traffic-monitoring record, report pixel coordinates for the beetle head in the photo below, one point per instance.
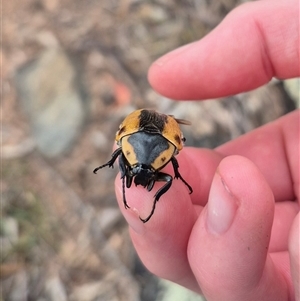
(143, 174)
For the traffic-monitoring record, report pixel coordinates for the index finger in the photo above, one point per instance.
(255, 42)
(274, 148)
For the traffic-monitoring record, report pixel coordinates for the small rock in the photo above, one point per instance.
(99, 140)
(19, 289)
(108, 217)
(87, 292)
(11, 229)
(8, 238)
(153, 13)
(47, 38)
(293, 88)
(49, 93)
(55, 289)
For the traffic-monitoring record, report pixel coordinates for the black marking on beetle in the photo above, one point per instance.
(163, 159)
(177, 139)
(127, 153)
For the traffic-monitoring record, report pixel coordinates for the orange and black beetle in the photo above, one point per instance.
(147, 142)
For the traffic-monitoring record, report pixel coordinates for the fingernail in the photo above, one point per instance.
(222, 207)
(162, 60)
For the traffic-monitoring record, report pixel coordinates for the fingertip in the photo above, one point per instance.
(244, 179)
(168, 209)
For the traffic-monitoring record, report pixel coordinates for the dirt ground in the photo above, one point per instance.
(62, 234)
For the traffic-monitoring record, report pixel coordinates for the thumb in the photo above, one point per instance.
(236, 227)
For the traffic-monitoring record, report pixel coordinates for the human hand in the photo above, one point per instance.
(229, 239)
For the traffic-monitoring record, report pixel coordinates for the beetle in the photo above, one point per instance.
(147, 142)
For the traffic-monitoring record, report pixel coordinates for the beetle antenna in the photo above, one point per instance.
(182, 121)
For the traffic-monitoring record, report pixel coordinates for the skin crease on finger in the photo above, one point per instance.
(196, 72)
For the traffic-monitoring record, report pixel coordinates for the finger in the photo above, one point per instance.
(285, 213)
(162, 242)
(255, 42)
(294, 246)
(229, 242)
(274, 148)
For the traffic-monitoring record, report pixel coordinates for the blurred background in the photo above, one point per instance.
(71, 71)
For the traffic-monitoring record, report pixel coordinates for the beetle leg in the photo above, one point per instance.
(150, 185)
(163, 177)
(111, 162)
(124, 170)
(122, 166)
(124, 198)
(160, 177)
(128, 184)
(124, 174)
(178, 175)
